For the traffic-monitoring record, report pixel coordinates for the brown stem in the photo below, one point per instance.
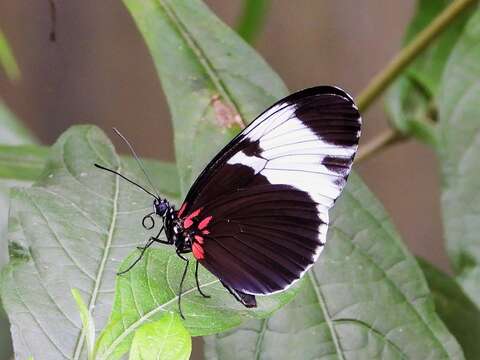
(382, 141)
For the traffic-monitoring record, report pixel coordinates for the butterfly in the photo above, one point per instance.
(257, 215)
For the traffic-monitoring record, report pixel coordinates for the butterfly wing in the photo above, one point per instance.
(259, 210)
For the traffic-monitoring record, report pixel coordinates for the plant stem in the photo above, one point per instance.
(382, 141)
(404, 58)
(396, 66)
(7, 60)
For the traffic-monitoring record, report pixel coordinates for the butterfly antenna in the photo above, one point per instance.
(139, 162)
(125, 178)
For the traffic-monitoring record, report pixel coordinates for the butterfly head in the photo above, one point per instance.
(160, 206)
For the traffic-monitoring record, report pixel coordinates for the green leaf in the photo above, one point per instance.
(11, 133)
(7, 60)
(366, 298)
(411, 101)
(165, 339)
(459, 313)
(13, 138)
(150, 290)
(427, 69)
(411, 112)
(459, 154)
(27, 162)
(298, 328)
(71, 229)
(214, 82)
(87, 322)
(252, 18)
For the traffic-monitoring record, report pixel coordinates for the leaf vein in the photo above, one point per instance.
(36, 320)
(133, 326)
(326, 315)
(399, 290)
(57, 238)
(371, 329)
(259, 341)
(103, 262)
(203, 59)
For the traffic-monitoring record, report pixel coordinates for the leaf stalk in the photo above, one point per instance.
(396, 66)
(405, 57)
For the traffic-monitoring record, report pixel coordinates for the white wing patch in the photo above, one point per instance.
(256, 163)
(294, 155)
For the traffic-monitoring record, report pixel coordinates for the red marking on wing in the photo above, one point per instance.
(198, 251)
(203, 224)
(199, 239)
(187, 223)
(188, 220)
(181, 210)
(206, 232)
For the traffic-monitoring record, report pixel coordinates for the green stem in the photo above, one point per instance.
(7, 60)
(405, 57)
(396, 66)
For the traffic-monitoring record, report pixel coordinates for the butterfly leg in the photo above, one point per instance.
(181, 284)
(198, 285)
(156, 239)
(143, 249)
(151, 241)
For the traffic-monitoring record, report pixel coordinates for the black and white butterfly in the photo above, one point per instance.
(257, 216)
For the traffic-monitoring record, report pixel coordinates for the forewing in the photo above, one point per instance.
(261, 206)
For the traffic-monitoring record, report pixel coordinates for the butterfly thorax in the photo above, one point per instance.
(176, 234)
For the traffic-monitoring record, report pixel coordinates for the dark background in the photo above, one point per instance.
(99, 71)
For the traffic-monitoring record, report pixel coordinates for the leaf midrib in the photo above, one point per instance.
(165, 337)
(201, 57)
(101, 269)
(261, 336)
(133, 326)
(326, 315)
